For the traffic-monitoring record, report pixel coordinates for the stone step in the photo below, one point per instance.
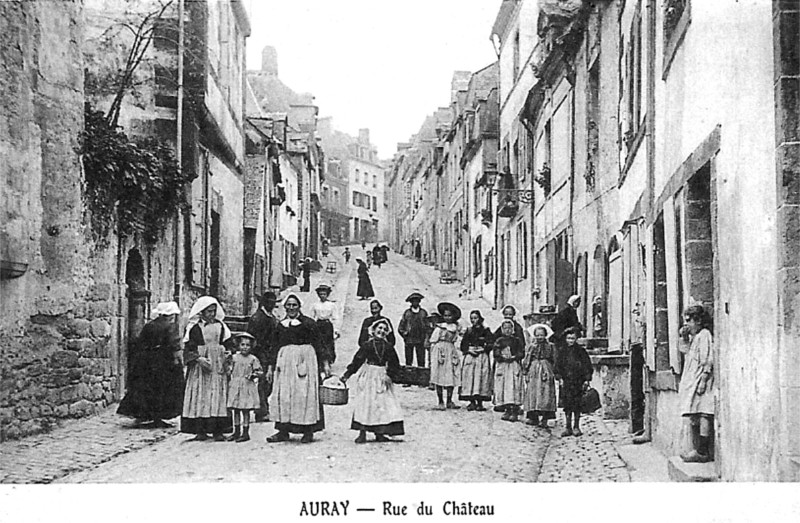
(681, 471)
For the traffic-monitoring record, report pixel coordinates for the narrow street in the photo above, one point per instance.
(450, 446)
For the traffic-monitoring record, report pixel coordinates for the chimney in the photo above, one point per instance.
(269, 60)
(363, 136)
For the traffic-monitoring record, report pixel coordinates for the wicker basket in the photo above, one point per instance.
(333, 395)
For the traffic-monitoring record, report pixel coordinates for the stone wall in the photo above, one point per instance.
(56, 353)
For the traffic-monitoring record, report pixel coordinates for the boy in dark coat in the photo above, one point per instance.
(573, 369)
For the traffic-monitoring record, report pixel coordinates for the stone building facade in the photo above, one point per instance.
(62, 317)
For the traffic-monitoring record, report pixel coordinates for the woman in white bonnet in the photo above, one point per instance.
(155, 379)
(205, 401)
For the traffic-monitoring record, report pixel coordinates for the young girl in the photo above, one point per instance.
(205, 399)
(376, 407)
(323, 313)
(540, 383)
(445, 358)
(242, 388)
(696, 390)
(573, 369)
(508, 352)
(476, 375)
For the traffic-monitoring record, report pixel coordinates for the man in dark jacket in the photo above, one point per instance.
(414, 329)
(262, 325)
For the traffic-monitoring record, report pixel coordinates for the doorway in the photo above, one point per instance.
(138, 302)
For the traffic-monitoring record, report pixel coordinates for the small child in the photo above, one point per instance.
(540, 383)
(508, 352)
(574, 371)
(445, 357)
(242, 389)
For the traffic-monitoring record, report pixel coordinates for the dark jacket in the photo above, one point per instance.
(375, 352)
(304, 334)
(414, 327)
(263, 327)
(480, 336)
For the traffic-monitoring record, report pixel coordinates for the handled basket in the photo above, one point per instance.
(330, 395)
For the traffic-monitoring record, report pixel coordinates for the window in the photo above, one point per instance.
(374, 203)
(336, 197)
(374, 181)
(358, 176)
(633, 79)
(516, 165)
(355, 198)
(522, 251)
(477, 257)
(516, 55)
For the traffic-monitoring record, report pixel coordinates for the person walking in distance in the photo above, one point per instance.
(347, 254)
(414, 329)
(364, 290)
(262, 326)
(244, 371)
(305, 268)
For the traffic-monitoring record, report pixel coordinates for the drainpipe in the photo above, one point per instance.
(176, 293)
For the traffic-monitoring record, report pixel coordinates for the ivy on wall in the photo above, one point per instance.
(131, 183)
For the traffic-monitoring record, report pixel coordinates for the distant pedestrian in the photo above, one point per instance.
(566, 318)
(508, 353)
(696, 390)
(323, 312)
(445, 358)
(363, 245)
(377, 255)
(245, 370)
(305, 268)
(375, 309)
(263, 325)
(539, 401)
(476, 370)
(364, 290)
(205, 401)
(414, 329)
(347, 254)
(573, 369)
(296, 361)
(375, 406)
(155, 380)
(369, 259)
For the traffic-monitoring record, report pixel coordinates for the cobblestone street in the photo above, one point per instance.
(450, 446)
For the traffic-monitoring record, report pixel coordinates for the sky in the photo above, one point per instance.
(377, 64)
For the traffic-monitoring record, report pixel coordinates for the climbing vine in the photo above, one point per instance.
(133, 183)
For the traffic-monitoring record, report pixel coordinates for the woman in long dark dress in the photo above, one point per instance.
(364, 290)
(375, 309)
(205, 399)
(565, 319)
(295, 362)
(155, 381)
(376, 366)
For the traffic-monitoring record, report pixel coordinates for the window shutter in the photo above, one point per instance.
(673, 303)
(649, 306)
(615, 290)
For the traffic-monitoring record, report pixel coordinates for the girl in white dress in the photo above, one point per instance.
(324, 312)
(445, 357)
(243, 398)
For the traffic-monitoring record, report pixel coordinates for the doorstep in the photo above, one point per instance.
(681, 471)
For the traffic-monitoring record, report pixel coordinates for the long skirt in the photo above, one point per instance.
(445, 364)
(570, 394)
(508, 383)
(156, 387)
(476, 378)
(296, 404)
(540, 389)
(205, 400)
(325, 329)
(375, 406)
(365, 289)
(243, 394)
